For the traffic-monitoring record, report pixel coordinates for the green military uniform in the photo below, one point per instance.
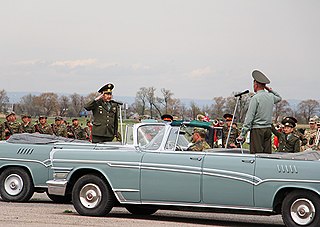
(259, 116)
(234, 133)
(27, 128)
(12, 127)
(60, 130)
(287, 142)
(77, 132)
(105, 117)
(200, 145)
(44, 129)
(310, 135)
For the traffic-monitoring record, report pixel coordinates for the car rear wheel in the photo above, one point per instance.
(92, 196)
(301, 208)
(16, 185)
(141, 210)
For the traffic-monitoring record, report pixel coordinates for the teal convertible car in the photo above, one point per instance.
(157, 172)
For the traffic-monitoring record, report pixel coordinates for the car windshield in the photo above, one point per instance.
(150, 136)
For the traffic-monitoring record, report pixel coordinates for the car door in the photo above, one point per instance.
(228, 179)
(171, 176)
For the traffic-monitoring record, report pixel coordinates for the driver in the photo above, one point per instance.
(198, 140)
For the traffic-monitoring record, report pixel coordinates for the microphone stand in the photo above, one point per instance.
(234, 113)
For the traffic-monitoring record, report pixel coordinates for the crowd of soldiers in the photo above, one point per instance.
(286, 137)
(60, 127)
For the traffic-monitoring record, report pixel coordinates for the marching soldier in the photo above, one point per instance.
(58, 128)
(10, 126)
(26, 126)
(105, 115)
(43, 127)
(199, 141)
(76, 131)
(234, 133)
(288, 140)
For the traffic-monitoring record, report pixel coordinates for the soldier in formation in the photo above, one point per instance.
(26, 126)
(199, 141)
(59, 128)
(311, 134)
(43, 127)
(234, 132)
(10, 126)
(76, 131)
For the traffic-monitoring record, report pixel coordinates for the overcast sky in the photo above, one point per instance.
(196, 48)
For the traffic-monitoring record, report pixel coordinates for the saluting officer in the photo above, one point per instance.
(59, 129)
(199, 141)
(43, 127)
(105, 115)
(10, 126)
(259, 115)
(288, 140)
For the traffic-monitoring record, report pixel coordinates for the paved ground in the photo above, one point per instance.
(40, 211)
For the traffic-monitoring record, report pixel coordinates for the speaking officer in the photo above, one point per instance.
(105, 115)
(259, 115)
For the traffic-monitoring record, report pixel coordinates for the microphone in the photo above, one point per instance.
(242, 93)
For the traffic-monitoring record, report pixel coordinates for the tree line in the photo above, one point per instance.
(148, 104)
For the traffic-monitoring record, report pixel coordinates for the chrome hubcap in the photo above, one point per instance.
(90, 195)
(13, 184)
(302, 211)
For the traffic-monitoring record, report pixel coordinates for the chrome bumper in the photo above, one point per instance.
(57, 187)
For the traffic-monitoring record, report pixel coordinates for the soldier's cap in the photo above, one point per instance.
(106, 88)
(198, 130)
(292, 118)
(288, 121)
(228, 117)
(25, 116)
(58, 118)
(313, 120)
(74, 119)
(167, 117)
(10, 113)
(42, 117)
(260, 77)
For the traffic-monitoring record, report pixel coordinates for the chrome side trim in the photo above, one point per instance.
(199, 205)
(126, 190)
(27, 160)
(56, 187)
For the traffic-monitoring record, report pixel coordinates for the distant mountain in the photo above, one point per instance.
(15, 97)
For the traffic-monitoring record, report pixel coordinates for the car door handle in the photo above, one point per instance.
(248, 161)
(196, 158)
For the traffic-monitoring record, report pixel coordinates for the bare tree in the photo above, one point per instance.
(195, 110)
(4, 101)
(167, 96)
(76, 104)
(218, 107)
(281, 109)
(151, 99)
(48, 103)
(307, 108)
(64, 103)
(140, 101)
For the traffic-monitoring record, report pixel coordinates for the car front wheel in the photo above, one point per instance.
(301, 208)
(16, 185)
(92, 196)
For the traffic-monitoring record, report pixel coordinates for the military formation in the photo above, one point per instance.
(59, 128)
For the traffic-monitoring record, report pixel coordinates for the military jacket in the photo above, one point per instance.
(200, 145)
(28, 128)
(233, 135)
(105, 117)
(13, 128)
(287, 142)
(44, 129)
(77, 132)
(310, 136)
(60, 130)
